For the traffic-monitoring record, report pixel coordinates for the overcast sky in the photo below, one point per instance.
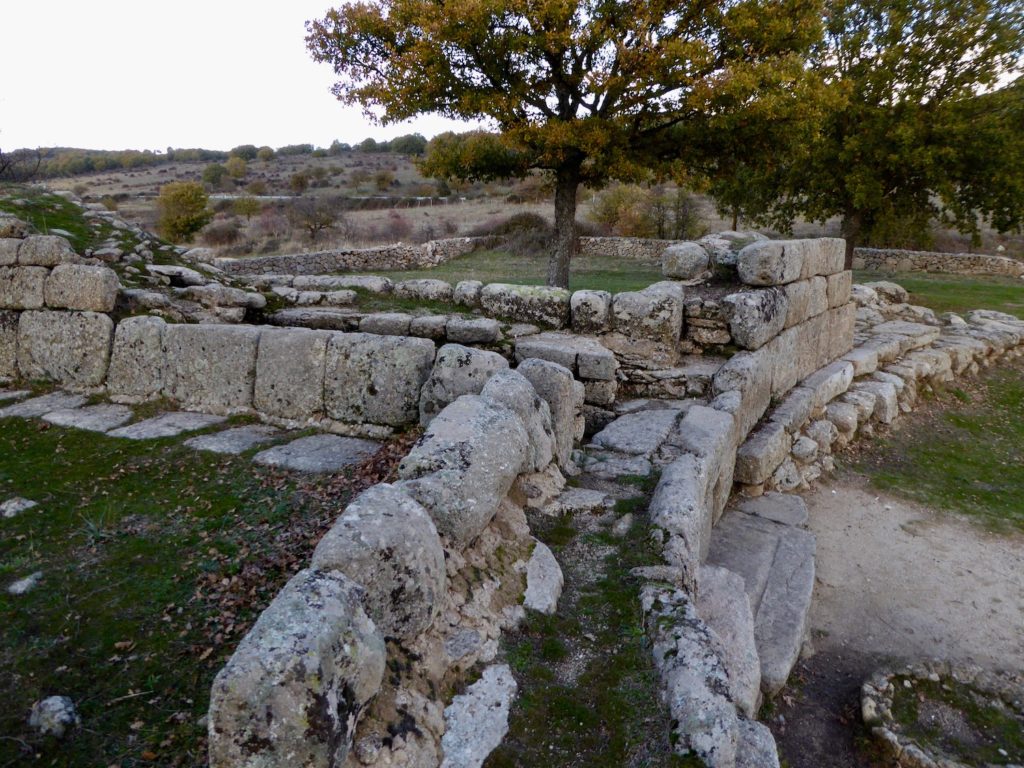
(135, 74)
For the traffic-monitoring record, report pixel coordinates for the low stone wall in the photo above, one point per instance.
(896, 260)
(634, 248)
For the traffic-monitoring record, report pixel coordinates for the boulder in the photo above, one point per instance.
(655, 313)
(565, 396)
(376, 379)
(70, 348)
(591, 311)
(386, 542)
(756, 317)
(290, 366)
(137, 360)
(476, 330)
(684, 261)
(293, 691)
(467, 293)
(425, 289)
(46, 251)
(54, 716)
(82, 287)
(464, 465)
(527, 303)
(888, 292)
(211, 368)
(771, 262)
(22, 287)
(514, 391)
(457, 371)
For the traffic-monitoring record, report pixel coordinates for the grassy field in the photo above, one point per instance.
(964, 453)
(155, 560)
(957, 293)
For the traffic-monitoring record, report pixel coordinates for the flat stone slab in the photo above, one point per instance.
(93, 418)
(167, 425)
(16, 506)
(234, 441)
(609, 465)
(543, 581)
(785, 508)
(16, 394)
(38, 406)
(21, 586)
(639, 433)
(575, 501)
(477, 720)
(318, 453)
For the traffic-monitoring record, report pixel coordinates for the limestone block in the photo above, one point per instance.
(386, 542)
(22, 287)
(655, 313)
(514, 391)
(841, 323)
(806, 299)
(544, 581)
(376, 379)
(46, 251)
(290, 366)
(824, 433)
(863, 402)
(829, 382)
(750, 373)
(864, 360)
(217, 295)
(476, 721)
(827, 256)
(762, 453)
(527, 303)
(796, 352)
(771, 262)
(467, 293)
(211, 368)
(564, 396)
(839, 287)
(795, 410)
(71, 348)
(424, 289)
(889, 292)
(137, 360)
(457, 371)
(682, 507)
(386, 324)
(292, 692)
(684, 261)
(429, 327)
(756, 317)
(464, 465)
(370, 283)
(82, 287)
(843, 415)
(600, 392)
(9, 251)
(591, 311)
(477, 330)
(8, 344)
(886, 403)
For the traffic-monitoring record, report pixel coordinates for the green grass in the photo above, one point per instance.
(156, 558)
(492, 266)
(966, 457)
(957, 293)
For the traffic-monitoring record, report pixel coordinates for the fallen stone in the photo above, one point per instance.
(15, 506)
(543, 580)
(622, 526)
(167, 425)
(477, 720)
(181, 277)
(886, 399)
(16, 394)
(318, 453)
(578, 501)
(457, 371)
(54, 716)
(639, 434)
(684, 261)
(564, 396)
(889, 291)
(234, 441)
(843, 415)
(92, 418)
(37, 406)
(21, 586)
(805, 450)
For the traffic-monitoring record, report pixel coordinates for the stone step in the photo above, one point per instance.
(760, 539)
(638, 434)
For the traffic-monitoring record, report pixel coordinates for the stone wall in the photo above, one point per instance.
(636, 248)
(895, 260)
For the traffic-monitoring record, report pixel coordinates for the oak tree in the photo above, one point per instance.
(585, 90)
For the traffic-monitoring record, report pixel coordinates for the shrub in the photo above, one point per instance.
(182, 207)
(257, 187)
(628, 210)
(298, 182)
(109, 203)
(523, 234)
(265, 154)
(236, 167)
(221, 233)
(246, 206)
(213, 174)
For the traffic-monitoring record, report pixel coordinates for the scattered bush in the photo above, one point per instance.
(109, 203)
(213, 174)
(524, 234)
(299, 182)
(221, 233)
(265, 154)
(236, 167)
(257, 187)
(247, 206)
(182, 207)
(312, 215)
(628, 210)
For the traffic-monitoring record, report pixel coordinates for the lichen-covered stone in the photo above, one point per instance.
(464, 465)
(527, 303)
(475, 330)
(684, 261)
(22, 287)
(591, 311)
(424, 289)
(806, 299)
(211, 368)
(290, 367)
(476, 721)
(386, 324)
(838, 288)
(46, 251)
(8, 344)
(387, 542)
(376, 379)
(565, 397)
(763, 451)
(70, 348)
(654, 313)
(137, 360)
(9, 250)
(82, 287)
(292, 692)
(756, 317)
(467, 293)
(457, 371)
(514, 391)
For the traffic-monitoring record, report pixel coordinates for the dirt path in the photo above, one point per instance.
(894, 581)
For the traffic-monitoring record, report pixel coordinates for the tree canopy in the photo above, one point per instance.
(586, 90)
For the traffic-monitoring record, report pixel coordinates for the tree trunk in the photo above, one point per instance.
(567, 181)
(735, 219)
(851, 228)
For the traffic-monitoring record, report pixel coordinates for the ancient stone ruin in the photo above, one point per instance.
(734, 378)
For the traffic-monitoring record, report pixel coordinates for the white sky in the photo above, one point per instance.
(137, 74)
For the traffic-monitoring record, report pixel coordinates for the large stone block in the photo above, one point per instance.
(46, 251)
(682, 506)
(514, 391)
(842, 322)
(211, 368)
(8, 344)
(71, 348)
(290, 365)
(838, 288)
(771, 262)
(457, 371)
(564, 396)
(22, 287)
(685, 261)
(654, 313)
(750, 374)
(9, 251)
(292, 692)
(424, 289)
(386, 542)
(756, 317)
(82, 287)
(137, 360)
(807, 298)
(376, 379)
(527, 303)
(591, 311)
(829, 382)
(826, 257)
(762, 453)
(464, 465)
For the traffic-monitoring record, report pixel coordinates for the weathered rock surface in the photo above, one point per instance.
(292, 692)
(234, 441)
(387, 542)
(476, 330)
(684, 261)
(167, 425)
(54, 716)
(46, 251)
(637, 433)
(543, 580)
(93, 418)
(655, 313)
(71, 348)
(527, 303)
(82, 287)
(424, 289)
(22, 287)
(136, 370)
(318, 453)
(514, 391)
(290, 370)
(756, 747)
(756, 317)
(477, 720)
(211, 368)
(37, 406)
(8, 344)
(591, 311)
(457, 371)
(17, 505)
(564, 396)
